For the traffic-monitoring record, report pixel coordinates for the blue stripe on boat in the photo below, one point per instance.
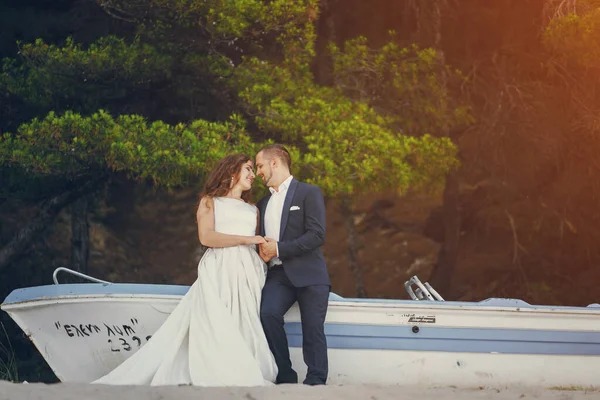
(470, 340)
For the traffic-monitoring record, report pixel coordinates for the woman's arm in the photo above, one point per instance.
(206, 229)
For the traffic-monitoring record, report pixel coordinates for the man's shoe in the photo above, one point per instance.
(313, 382)
(292, 377)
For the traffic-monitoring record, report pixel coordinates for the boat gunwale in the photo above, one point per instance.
(385, 304)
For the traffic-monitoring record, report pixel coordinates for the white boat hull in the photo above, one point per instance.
(432, 369)
(84, 336)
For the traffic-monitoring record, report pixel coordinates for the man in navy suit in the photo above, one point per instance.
(292, 220)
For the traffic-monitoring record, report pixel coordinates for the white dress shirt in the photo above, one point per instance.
(273, 213)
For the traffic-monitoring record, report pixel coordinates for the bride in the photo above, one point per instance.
(214, 336)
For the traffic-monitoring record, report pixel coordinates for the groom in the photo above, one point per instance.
(293, 223)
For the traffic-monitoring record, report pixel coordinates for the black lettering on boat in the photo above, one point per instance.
(125, 345)
(82, 328)
(430, 319)
(111, 347)
(128, 330)
(109, 331)
(68, 330)
(78, 331)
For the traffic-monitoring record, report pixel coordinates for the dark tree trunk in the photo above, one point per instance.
(355, 268)
(443, 271)
(80, 235)
(322, 65)
(48, 210)
(429, 33)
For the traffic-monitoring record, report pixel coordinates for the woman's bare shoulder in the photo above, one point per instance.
(206, 203)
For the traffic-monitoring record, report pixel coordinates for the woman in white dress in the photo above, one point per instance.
(214, 336)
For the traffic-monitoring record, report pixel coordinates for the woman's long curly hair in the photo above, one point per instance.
(219, 181)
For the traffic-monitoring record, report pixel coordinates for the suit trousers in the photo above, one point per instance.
(278, 296)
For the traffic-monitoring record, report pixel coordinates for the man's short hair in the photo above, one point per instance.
(279, 151)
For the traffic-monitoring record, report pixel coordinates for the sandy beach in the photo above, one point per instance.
(72, 391)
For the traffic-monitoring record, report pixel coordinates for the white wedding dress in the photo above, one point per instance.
(214, 336)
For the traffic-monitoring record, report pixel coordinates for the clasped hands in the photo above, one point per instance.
(267, 247)
(268, 250)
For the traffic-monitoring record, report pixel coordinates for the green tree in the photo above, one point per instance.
(108, 74)
(162, 74)
(79, 154)
(353, 144)
(258, 52)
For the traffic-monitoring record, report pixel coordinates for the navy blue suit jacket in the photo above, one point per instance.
(301, 235)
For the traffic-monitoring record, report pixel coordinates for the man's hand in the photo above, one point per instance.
(268, 250)
(262, 255)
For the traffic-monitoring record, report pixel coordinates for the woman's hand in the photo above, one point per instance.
(256, 240)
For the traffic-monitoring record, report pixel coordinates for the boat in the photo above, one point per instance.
(84, 330)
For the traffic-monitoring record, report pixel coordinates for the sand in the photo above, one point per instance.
(75, 391)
